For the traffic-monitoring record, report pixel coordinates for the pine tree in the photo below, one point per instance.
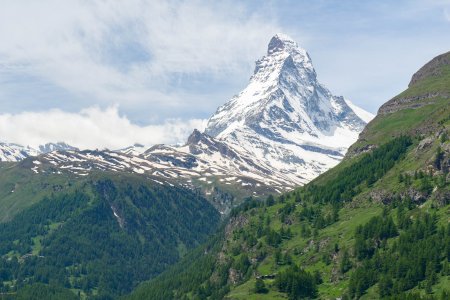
(385, 286)
(346, 264)
(260, 287)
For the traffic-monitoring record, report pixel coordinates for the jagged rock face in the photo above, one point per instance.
(286, 118)
(50, 147)
(413, 102)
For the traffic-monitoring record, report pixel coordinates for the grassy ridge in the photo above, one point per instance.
(19, 188)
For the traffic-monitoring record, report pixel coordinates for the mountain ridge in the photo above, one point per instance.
(281, 131)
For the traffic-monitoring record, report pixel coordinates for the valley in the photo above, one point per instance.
(289, 192)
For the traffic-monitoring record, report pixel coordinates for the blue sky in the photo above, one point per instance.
(159, 68)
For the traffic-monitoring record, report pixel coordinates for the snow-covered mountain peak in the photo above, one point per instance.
(59, 146)
(195, 137)
(280, 42)
(284, 93)
(283, 54)
(286, 118)
(15, 152)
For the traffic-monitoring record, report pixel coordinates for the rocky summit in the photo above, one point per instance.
(286, 119)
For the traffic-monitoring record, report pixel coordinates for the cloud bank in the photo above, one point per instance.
(91, 128)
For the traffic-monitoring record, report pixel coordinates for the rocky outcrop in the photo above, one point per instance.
(235, 223)
(381, 196)
(431, 69)
(414, 102)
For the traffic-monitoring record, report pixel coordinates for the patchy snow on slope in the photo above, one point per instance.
(283, 130)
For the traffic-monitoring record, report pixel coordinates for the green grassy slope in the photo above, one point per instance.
(420, 110)
(374, 226)
(20, 188)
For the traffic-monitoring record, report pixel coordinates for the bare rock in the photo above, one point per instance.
(415, 195)
(235, 223)
(431, 69)
(441, 198)
(425, 143)
(234, 276)
(381, 196)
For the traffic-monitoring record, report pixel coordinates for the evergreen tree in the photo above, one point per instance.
(260, 287)
(346, 264)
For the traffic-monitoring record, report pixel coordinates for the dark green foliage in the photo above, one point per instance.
(286, 234)
(370, 236)
(314, 214)
(39, 291)
(336, 248)
(297, 283)
(189, 275)
(425, 184)
(417, 296)
(346, 264)
(368, 169)
(417, 256)
(108, 237)
(270, 200)
(273, 238)
(260, 287)
(287, 209)
(385, 286)
(277, 257)
(247, 204)
(318, 277)
(438, 158)
(363, 278)
(305, 231)
(242, 263)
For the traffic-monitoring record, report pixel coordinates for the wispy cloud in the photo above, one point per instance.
(91, 128)
(144, 56)
(128, 52)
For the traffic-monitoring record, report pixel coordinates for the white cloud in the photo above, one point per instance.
(128, 52)
(91, 128)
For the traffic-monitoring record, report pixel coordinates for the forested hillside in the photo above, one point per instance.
(375, 226)
(101, 237)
